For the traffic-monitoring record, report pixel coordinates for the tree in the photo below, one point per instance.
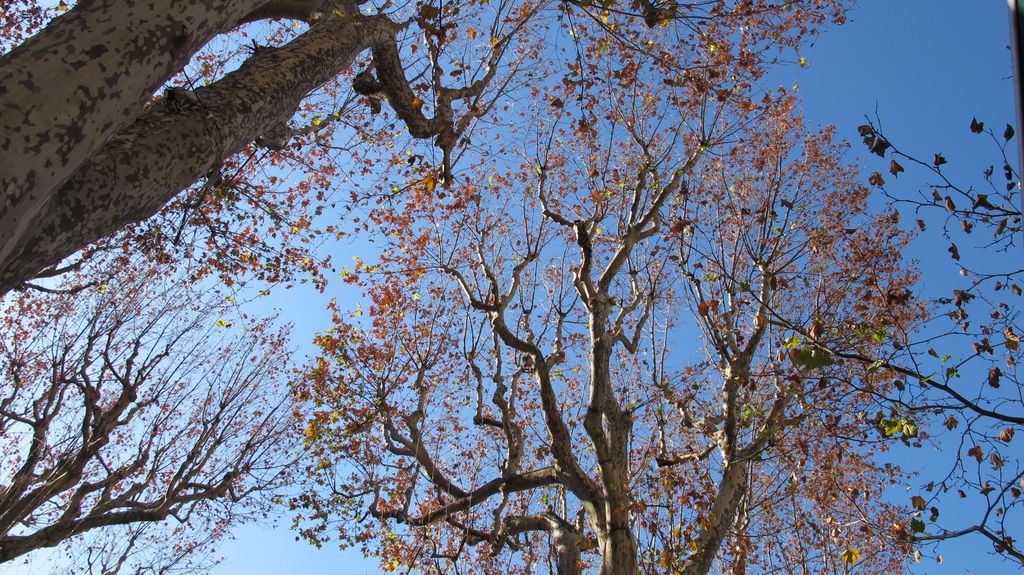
(961, 368)
(86, 151)
(586, 361)
(67, 175)
(131, 414)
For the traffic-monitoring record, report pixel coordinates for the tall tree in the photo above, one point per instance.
(84, 153)
(131, 414)
(585, 361)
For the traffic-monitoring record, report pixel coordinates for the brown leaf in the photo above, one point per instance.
(1012, 339)
(1008, 133)
(1002, 226)
(918, 502)
(982, 202)
(993, 376)
(920, 225)
(954, 251)
(977, 453)
(950, 206)
(865, 130)
(1006, 435)
(936, 196)
(960, 297)
(816, 331)
(939, 160)
(976, 126)
(951, 423)
(879, 147)
(875, 179)
(895, 168)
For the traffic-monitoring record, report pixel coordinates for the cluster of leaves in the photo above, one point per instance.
(526, 392)
(961, 366)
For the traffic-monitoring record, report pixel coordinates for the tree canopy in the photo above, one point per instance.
(622, 310)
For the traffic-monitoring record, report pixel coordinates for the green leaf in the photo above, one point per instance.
(880, 335)
(792, 342)
(811, 358)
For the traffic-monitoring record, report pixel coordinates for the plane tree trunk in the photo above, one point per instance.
(167, 148)
(67, 90)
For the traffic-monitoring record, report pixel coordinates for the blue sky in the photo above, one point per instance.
(925, 67)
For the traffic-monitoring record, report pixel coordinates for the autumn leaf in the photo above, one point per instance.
(993, 376)
(1008, 132)
(976, 126)
(850, 556)
(428, 12)
(960, 297)
(816, 330)
(939, 160)
(430, 182)
(1012, 339)
(951, 423)
(875, 179)
(1006, 435)
(879, 147)
(895, 168)
(981, 201)
(918, 502)
(977, 453)
(953, 251)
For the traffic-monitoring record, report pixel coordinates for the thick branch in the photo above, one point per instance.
(67, 90)
(166, 150)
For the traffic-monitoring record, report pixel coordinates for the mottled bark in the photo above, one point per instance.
(167, 149)
(564, 538)
(290, 9)
(67, 90)
(731, 490)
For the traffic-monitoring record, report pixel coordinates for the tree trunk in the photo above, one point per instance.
(166, 150)
(67, 90)
(731, 490)
(618, 552)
